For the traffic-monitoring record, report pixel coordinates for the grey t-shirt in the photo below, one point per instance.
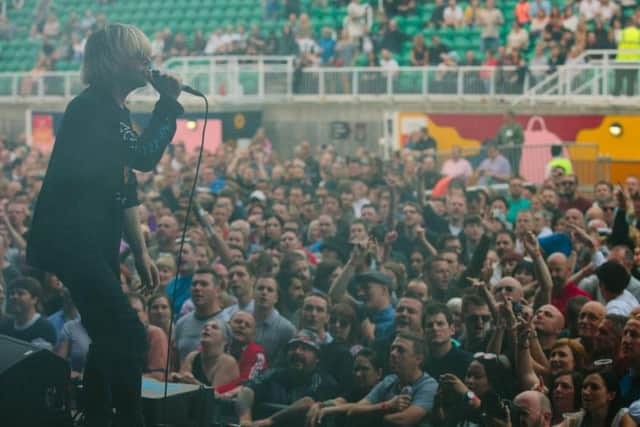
(422, 393)
(188, 331)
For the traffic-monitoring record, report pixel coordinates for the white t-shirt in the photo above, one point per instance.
(453, 14)
(623, 304)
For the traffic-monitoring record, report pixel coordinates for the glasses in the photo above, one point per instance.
(508, 289)
(567, 183)
(475, 317)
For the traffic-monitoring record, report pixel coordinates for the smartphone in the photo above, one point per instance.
(517, 308)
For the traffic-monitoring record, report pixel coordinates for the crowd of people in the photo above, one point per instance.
(321, 289)
(542, 37)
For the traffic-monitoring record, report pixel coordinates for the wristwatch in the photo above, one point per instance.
(471, 397)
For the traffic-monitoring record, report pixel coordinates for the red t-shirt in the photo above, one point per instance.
(559, 300)
(252, 363)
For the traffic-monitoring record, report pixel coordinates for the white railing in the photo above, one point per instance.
(276, 79)
(593, 73)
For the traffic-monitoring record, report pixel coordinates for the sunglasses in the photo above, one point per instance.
(502, 360)
(603, 363)
(475, 317)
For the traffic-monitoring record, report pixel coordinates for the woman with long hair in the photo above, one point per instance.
(209, 365)
(600, 401)
(478, 400)
(367, 372)
(565, 394)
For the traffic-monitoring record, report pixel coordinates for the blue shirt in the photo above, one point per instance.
(182, 292)
(422, 391)
(384, 321)
(516, 206)
(328, 47)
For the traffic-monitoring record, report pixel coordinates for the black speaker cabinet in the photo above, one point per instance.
(186, 405)
(34, 386)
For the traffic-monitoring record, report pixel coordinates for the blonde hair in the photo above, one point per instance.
(108, 48)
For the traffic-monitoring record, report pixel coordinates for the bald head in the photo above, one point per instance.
(594, 212)
(508, 287)
(589, 319)
(548, 320)
(574, 216)
(535, 409)
(559, 269)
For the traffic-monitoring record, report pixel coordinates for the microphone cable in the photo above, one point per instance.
(181, 246)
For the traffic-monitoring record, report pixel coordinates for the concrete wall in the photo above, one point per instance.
(290, 123)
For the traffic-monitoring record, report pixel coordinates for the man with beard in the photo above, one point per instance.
(568, 196)
(562, 291)
(477, 324)
(403, 397)
(165, 237)
(298, 385)
(505, 244)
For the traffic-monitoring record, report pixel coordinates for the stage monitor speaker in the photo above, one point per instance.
(34, 386)
(186, 405)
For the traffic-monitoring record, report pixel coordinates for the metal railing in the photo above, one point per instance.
(274, 79)
(594, 73)
(530, 160)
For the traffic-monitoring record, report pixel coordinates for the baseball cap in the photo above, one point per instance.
(306, 337)
(258, 195)
(369, 277)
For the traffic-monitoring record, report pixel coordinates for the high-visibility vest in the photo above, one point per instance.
(629, 41)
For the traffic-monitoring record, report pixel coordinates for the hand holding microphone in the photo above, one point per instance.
(170, 85)
(166, 84)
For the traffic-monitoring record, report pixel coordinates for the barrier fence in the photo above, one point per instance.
(272, 79)
(530, 161)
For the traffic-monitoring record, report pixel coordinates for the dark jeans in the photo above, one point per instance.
(113, 372)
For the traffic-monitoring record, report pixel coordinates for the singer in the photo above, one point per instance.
(88, 200)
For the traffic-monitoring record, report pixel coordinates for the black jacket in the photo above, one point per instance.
(89, 181)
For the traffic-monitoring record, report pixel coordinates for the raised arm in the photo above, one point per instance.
(527, 377)
(532, 247)
(338, 289)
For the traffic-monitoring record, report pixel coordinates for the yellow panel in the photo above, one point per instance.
(625, 147)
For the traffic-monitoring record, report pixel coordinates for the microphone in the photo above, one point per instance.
(185, 88)
(201, 217)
